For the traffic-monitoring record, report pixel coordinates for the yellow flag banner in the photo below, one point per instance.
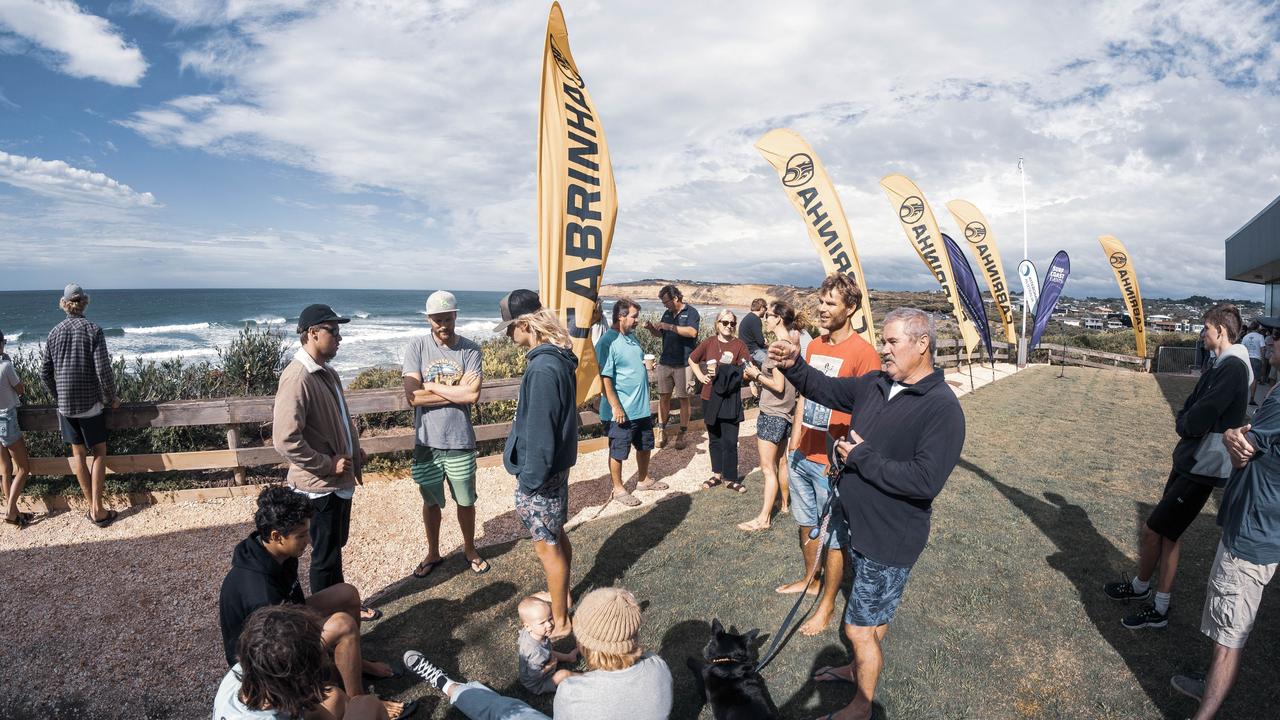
(922, 232)
(1127, 278)
(977, 232)
(807, 185)
(577, 200)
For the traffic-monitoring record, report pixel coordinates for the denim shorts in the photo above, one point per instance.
(633, 433)
(544, 516)
(875, 591)
(10, 433)
(810, 488)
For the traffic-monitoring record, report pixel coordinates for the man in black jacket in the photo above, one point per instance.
(264, 571)
(904, 440)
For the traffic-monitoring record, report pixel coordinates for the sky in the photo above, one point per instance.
(392, 143)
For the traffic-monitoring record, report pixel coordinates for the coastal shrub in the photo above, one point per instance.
(380, 378)
(251, 363)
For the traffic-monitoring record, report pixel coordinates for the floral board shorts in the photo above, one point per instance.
(772, 429)
(544, 516)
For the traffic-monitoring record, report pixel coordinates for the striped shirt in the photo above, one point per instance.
(76, 369)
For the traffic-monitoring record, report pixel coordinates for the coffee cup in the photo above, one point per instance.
(711, 368)
(649, 361)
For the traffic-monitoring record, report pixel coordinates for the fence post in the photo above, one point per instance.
(233, 443)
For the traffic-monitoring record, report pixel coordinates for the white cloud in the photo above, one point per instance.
(57, 179)
(84, 45)
(1148, 120)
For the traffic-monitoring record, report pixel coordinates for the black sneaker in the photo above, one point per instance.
(1191, 684)
(422, 667)
(1149, 617)
(1123, 590)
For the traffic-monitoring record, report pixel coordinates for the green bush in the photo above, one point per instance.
(381, 378)
(252, 363)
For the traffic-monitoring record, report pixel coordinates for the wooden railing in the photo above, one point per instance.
(1094, 358)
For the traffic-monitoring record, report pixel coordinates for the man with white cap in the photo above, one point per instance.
(76, 370)
(442, 375)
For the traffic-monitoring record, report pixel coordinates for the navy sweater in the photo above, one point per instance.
(544, 434)
(910, 446)
(1217, 404)
(255, 580)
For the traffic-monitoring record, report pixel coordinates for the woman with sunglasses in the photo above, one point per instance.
(718, 364)
(773, 425)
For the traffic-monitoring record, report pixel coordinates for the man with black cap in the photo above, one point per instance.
(313, 431)
(76, 370)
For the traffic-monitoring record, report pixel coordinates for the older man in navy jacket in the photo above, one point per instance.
(904, 441)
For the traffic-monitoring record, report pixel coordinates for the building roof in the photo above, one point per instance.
(1253, 251)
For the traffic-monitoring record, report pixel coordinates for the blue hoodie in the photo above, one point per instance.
(544, 434)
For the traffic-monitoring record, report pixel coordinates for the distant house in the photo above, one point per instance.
(1114, 324)
(1071, 322)
(1094, 324)
(1166, 325)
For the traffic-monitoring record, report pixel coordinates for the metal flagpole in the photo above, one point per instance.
(1022, 339)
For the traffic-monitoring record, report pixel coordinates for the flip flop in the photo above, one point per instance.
(479, 566)
(104, 522)
(828, 674)
(373, 614)
(424, 568)
(21, 520)
(653, 485)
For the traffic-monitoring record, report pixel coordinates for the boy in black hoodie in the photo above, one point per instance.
(264, 571)
(543, 443)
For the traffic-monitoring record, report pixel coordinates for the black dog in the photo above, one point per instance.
(726, 677)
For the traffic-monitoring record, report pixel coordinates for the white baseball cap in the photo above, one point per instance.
(441, 301)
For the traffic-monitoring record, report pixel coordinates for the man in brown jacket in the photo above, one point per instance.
(315, 434)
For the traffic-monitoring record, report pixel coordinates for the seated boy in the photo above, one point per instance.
(264, 571)
(538, 661)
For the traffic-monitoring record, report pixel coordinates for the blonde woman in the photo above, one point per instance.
(13, 449)
(623, 680)
(773, 424)
(543, 443)
(718, 364)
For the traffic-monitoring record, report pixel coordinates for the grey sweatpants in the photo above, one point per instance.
(480, 703)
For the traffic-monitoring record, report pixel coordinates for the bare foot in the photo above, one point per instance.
(798, 586)
(754, 525)
(393, 708)
(853, 711)
(377, 669)
(834, 673)
(651, 484)
(818, 622)
(562, 630)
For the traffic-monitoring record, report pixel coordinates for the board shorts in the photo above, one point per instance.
(772, 429)
(542, 515)
(1232, 597)
(432, 467)
(86, 431)
(632, 433)
(1181, 503)
(875, 592)
(672, 380)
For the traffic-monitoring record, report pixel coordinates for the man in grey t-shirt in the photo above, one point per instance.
(442, 374)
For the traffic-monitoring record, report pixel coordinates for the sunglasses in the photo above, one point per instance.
(728, 323)
(332, 331)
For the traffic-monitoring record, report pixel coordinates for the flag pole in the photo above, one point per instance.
(1023, 350)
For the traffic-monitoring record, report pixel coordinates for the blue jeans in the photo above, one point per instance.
(480, 703)
(810, 489)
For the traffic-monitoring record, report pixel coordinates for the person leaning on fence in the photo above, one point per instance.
(76, 371)
(904, 440)
(724, 357)
(751, 331)
(442, 376)
(13, 449)
(264, 572)
(623, 680)
(626, 411)
(314, 433)
(1218, 402)
(679, 330)
(840, 352)
(1248, 553)
(282, 673)
(543, 443)
(773, 424)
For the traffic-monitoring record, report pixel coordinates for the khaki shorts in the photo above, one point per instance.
(672, 380)
(1232, 597)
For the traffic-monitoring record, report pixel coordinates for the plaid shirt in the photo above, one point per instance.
(76, 369)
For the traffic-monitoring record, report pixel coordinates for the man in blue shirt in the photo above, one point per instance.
(626, 408)
(1248, 553)
(679, 329)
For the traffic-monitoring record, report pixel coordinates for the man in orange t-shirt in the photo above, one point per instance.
(841, 352)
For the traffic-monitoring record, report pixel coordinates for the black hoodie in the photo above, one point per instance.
(544, 434)
(255, 580)
(910, 446)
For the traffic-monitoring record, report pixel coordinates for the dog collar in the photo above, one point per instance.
(717, 661)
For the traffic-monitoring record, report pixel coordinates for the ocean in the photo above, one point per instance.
(193, 324)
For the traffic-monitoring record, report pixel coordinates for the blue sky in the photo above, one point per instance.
(280, 143)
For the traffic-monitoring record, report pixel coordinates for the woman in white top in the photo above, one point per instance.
(13, 449)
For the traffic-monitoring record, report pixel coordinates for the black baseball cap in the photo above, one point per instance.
(515, 304)
(313, 315)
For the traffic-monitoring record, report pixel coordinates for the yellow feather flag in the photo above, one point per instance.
(922, 232)
(577, 200)
(977, 232)
(1127, 278)
(807, 185)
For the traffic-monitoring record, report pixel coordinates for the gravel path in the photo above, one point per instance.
(122, 621)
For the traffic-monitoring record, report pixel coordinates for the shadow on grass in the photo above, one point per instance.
(1175, 389)
(626, 545)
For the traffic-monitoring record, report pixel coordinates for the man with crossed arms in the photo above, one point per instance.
(904, 440)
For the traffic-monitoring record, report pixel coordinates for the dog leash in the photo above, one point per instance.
(821, 533)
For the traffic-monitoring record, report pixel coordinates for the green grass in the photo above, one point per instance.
(1003, 616)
